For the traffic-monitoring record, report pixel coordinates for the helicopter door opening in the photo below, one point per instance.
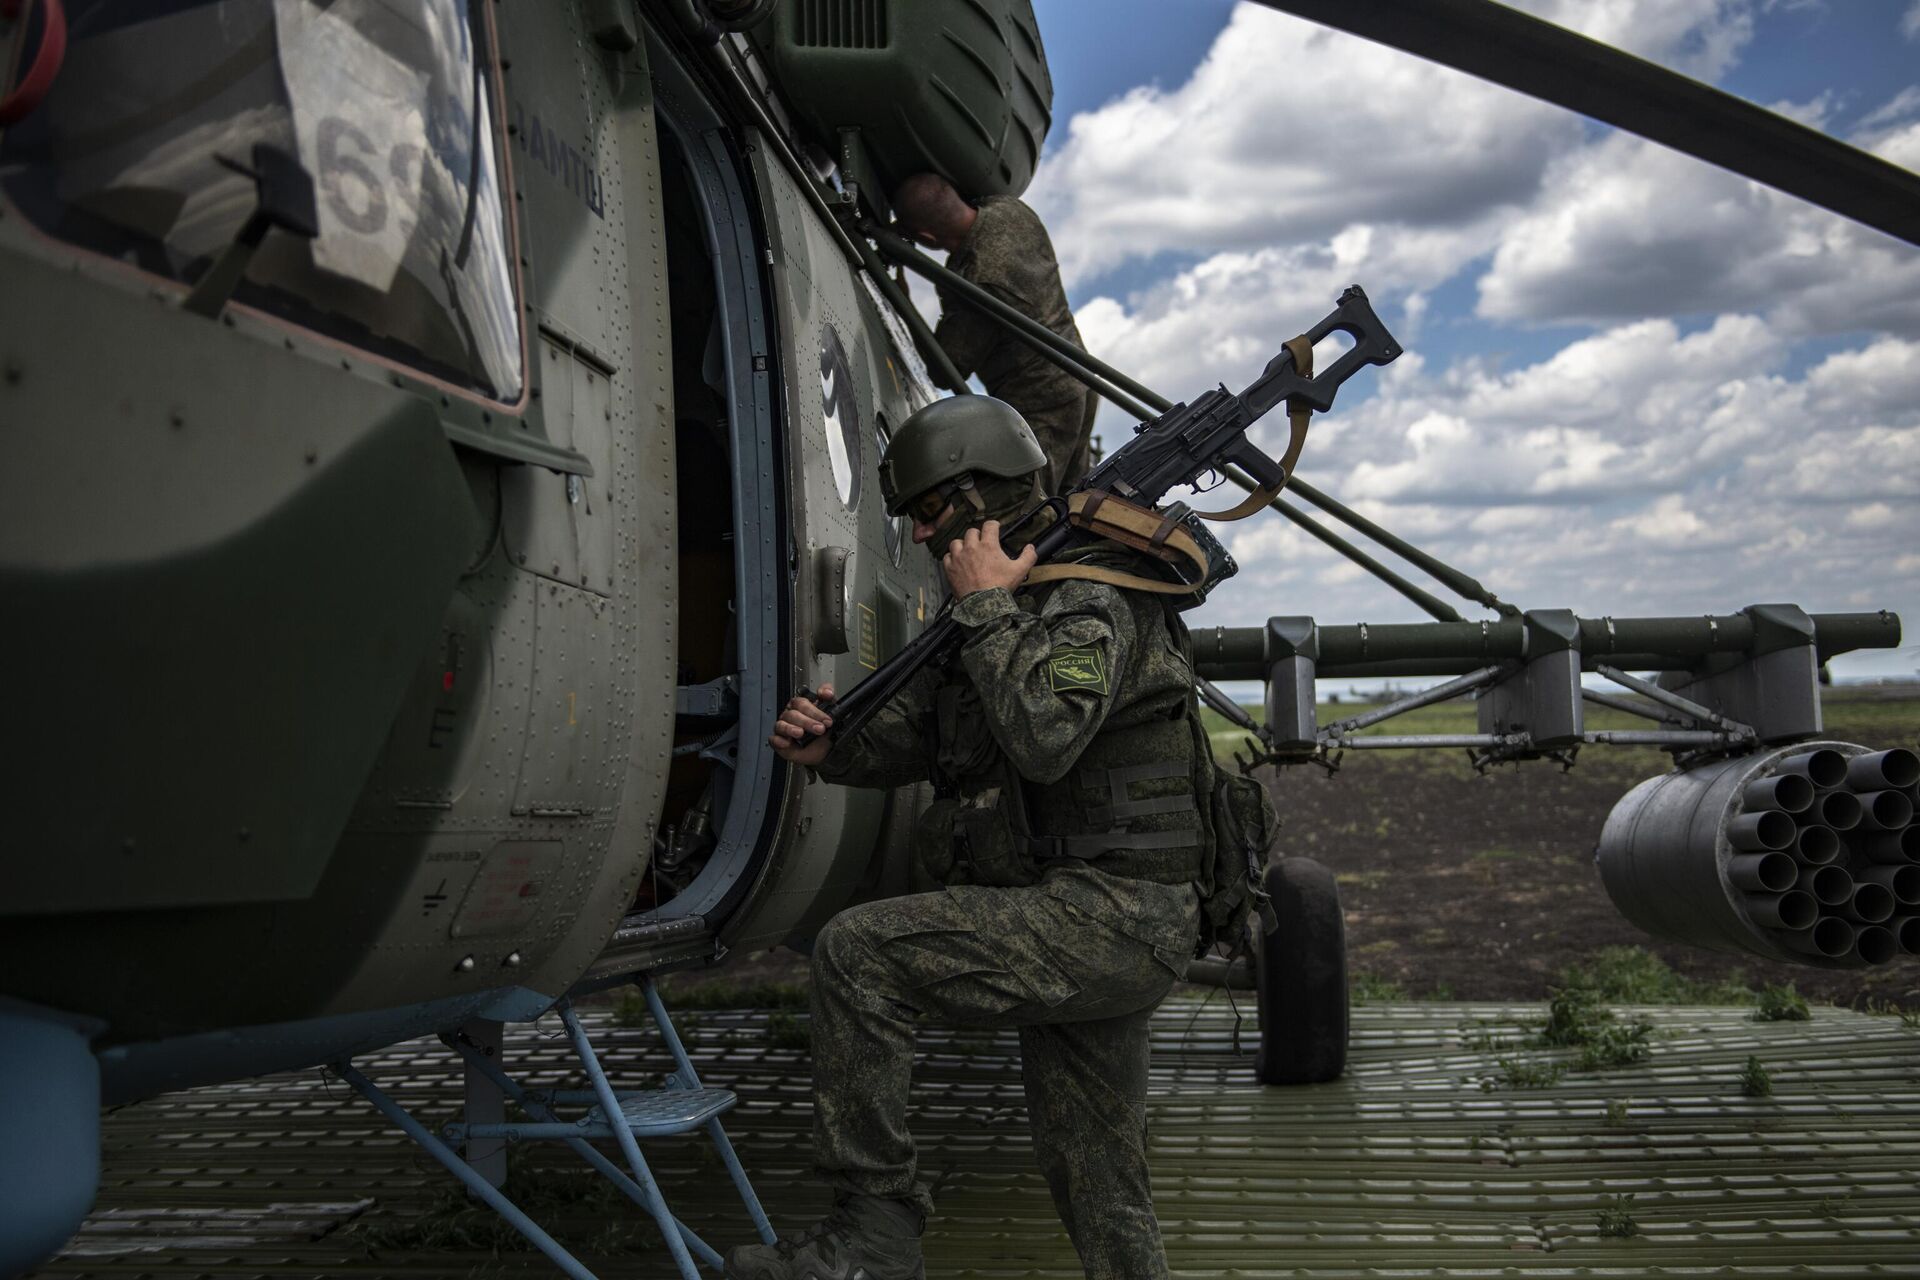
(707, 730)
(724, 782)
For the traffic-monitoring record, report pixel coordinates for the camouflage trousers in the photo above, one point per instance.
(1082, 995)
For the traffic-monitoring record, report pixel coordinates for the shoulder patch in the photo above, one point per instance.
(1077, 669)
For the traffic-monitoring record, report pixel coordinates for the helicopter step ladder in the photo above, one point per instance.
(626, 1116)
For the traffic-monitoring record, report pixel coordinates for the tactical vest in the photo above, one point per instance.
(1130, 805)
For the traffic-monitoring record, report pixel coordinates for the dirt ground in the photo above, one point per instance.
(1466, 887)
(1484, 888)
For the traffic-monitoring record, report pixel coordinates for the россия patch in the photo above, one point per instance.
(1077, 669)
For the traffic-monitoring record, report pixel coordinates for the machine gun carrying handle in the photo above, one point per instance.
(1372, 344)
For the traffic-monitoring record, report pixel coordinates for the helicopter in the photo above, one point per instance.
(486, 449)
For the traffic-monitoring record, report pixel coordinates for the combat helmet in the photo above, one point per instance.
(970, 435)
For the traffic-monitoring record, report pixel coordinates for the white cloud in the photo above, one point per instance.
(1697, 477)
(1903, 106)
(1223, 319)
(1288, 132)
(1700, 38)
(1875, 515)
(1627, 228)
(1407, 173)
(1910, 22)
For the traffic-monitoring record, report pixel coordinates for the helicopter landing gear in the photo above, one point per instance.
(1301, 972)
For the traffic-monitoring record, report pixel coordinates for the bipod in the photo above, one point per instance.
(625, 1116)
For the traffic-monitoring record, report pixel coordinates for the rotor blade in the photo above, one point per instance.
(1523, 53)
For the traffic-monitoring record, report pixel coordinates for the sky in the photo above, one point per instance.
(1634, 384)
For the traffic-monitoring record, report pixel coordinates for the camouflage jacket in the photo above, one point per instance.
(1028, 667)
(1009, 255)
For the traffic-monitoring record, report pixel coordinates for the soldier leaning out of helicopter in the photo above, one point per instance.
(1066, 756)
(1000, 244)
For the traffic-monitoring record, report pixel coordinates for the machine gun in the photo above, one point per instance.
(1177, 448)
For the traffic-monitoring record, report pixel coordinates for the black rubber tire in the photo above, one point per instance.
(1301, 971)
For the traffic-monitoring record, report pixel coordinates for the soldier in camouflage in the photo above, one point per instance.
(1061, 744)
(999, 244)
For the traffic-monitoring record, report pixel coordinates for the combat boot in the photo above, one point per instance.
(864, 1238)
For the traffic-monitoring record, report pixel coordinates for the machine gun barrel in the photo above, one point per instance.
(1177, 448)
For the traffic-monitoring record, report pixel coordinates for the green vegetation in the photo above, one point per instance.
(1634, 975)
(1574, 1015)
(1909, 1018)
(1781, 1004)
(1525, 1073)
(1616, 1112)
(1616, 1218)
(1371, 988)
(1576, 1019)
(1488, 1040)
(1754, 1080)
(1615, 1045)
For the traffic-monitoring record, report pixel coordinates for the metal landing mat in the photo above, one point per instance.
(1429, 1159)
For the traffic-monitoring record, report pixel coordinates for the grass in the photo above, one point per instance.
(1634, 975)
(1526, 1073)
(1616, 1218)
(1909, 1018)
(1755, 1082)
(1781, 1003)
(1371, 988)
(1577, 1019)
(1616, 1045)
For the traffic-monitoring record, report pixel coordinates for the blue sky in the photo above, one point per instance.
(1635, 385)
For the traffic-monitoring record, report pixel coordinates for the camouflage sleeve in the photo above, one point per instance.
(1047, 681)
(1012, 257)
(890, 750)
(965, 334)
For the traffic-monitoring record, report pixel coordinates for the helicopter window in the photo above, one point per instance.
(386, 105)
(842, 415)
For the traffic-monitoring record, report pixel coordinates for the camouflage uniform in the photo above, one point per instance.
(1077, 961)
(1008, 254)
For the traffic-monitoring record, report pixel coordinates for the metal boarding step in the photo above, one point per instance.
(682, 1106)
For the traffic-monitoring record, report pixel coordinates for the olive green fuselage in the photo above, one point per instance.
(349, 691)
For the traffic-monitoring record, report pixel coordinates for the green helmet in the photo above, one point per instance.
(975, 434)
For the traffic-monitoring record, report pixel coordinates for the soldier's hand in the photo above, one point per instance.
(976, 562)
(800, 718)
